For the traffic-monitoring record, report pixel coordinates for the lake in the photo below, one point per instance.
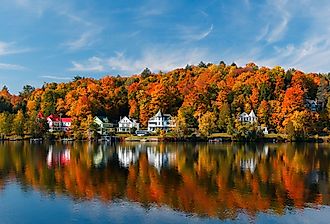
(164, 183)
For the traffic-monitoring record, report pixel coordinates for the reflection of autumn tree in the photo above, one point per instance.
(214, 180)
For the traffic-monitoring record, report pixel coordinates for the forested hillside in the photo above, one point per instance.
(209, 97)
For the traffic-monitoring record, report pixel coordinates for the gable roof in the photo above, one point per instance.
(128, 119)
(158, 114)
(52, 117)
(244, 114)
(66, 119)
(252, 114)
(40, 115)
(103, 119)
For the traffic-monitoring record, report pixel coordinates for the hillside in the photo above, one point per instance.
(210, 97)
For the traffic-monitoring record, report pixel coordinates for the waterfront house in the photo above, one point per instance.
(56, 123)
(264, 130)
(248, 118)
(160, 121)
(127, 125)
(104, 125)
(312, 104)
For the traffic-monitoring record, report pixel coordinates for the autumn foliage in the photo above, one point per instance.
(192, 92)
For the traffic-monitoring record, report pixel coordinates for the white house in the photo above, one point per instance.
(104, 125)
(160, 121)
(248, 118)
(312, 104)
(126, 125)
(264, 130)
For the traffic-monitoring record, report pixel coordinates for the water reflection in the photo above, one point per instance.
(58, 157)
(215, 180)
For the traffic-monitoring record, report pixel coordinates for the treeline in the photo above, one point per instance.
(204, 97)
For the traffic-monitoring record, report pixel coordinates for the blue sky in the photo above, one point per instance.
(54, 40)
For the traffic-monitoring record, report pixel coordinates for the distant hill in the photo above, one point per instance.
(221, 92)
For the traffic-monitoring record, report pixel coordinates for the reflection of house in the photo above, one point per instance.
(160, 121)
(61, 157)
(126, 125)
(265, 150)
(58, 124)
(100, 157)
(248, 164)
(104, 125)
(248, 118)
(127, 156)
(159, 159)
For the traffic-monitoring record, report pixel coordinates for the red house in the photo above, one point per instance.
(58, 124)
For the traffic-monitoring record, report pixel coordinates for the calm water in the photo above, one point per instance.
(164, 183)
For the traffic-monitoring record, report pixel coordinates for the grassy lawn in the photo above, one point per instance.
(125, 135)
(273, 135)
(220, 135)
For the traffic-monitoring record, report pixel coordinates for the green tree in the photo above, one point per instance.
(37, 127)
(181, 126)
(5, 124)
(202, 65)
(207, 124)
(19, 123)
(145, 73)
(27, 91)
(290, 130)
(224, 117)
(247, 132)
(322, 92)
(328, 107)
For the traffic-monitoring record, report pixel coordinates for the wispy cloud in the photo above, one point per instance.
(85, 40)
(278, 16)
(55, 77)
(194, 33)
(37, 7)
(278, 31)
(93, 64)
(263, 32)
(157, 59)
(75, 18)
(154, 58)
(7, 48)
(88, 32)
(4, 66)
(310, 50)
(153, 8)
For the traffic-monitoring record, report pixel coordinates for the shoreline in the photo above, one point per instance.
(214, 138)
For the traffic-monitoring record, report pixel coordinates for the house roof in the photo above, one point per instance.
(66, 119)
(104, 119)
(55, 118)
(129, 119)
(40, 115)
(159, 114)
(252, 114)
(244, 114)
